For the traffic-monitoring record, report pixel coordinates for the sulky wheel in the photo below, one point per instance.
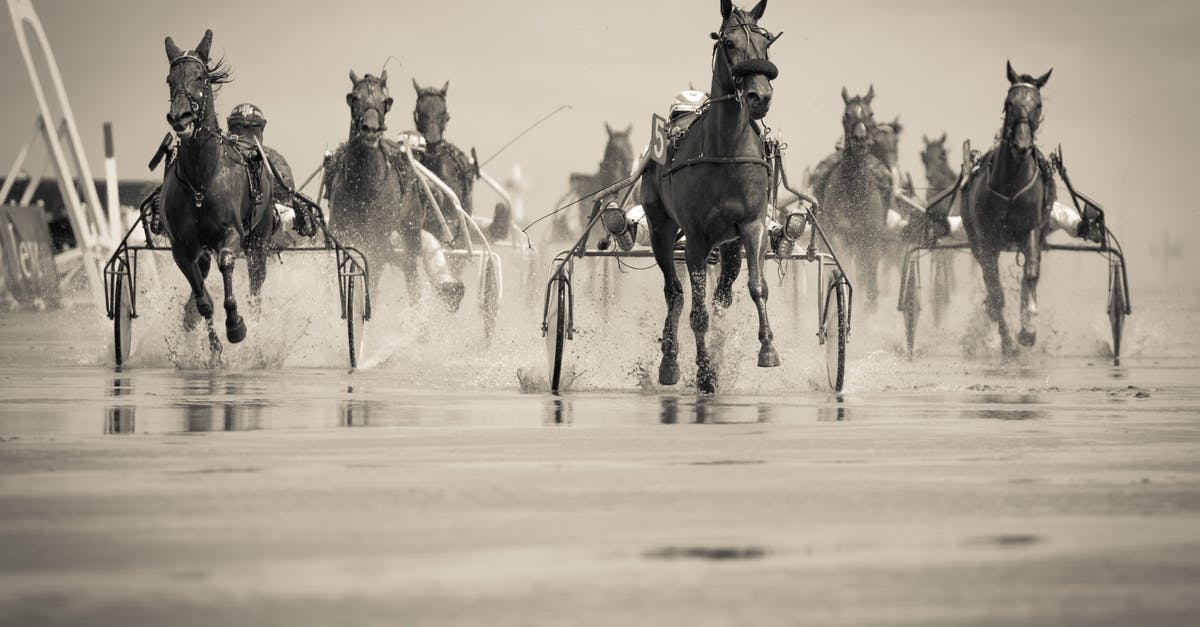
(122, 315)
(1116, 310)
(835, 324)
(556, 330)
(356, 304)
(489, 300)
(910, 301)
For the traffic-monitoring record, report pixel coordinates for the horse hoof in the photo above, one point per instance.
(1026, 338)
(236, 332)
(451, 293)
(668, 372)
(706, 380)
(767, 357)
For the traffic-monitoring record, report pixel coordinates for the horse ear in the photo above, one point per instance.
(172, 50)
(845, 96)
(726, 8)
(758, 10)
(870, 94)
(925, 138)
(628, 129)
(416, 86)
(205, 44)
(1043, 79)
(1012, 75)
(896, 125)
(353, 78)
(943, 139)
(608, 129)
(445, 88)
(383, 77)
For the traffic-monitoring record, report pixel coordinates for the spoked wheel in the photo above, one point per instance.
(489, 300)
(123, 318)
(556, 331)
(1116, 310)
(836, 328)
(356, 306)
(910, 302)
(941, 285)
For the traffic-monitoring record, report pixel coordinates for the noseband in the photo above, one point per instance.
(1009, 129)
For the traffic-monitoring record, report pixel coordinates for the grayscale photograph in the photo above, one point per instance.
(599, 313)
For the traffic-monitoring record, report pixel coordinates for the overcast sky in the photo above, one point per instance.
(1121, 98)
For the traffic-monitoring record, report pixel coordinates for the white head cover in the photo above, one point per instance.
(688, 100)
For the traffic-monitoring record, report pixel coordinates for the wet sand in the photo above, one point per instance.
(1089, 517)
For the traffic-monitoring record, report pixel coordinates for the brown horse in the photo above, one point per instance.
(443, 158)
(372, 192)
(713, 187)
(616, 164)
(856, 193)
(939, 177)
(209, 202)
(1007, 201)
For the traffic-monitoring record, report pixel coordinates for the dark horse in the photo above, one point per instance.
(714, 188)
(938, 174)
(857, 192)
(1007, 203)
(616, 164)
(443, 158)
(372, 191)
(209, 204)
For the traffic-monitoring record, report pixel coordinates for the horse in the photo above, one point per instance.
(373, 192)
(209, 200)
(615, 166)
(939, 177)
(1007, 202)
(443, 158)
(713, 187)
(857, 191)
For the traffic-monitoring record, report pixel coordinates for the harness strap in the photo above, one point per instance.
(699, 160)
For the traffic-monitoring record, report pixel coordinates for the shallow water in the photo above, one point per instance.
(442, 484)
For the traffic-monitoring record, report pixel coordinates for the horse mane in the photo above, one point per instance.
(219, 73)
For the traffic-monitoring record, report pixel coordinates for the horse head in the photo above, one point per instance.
(369, 103)
(858, 120)
(430, 113)
(743, 67)
(934, 152)
(618, 152)
(192, 79)
(886, 141)
(1022, 109)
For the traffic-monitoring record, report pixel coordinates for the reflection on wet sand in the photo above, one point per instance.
(216, 410)
(1005, 409)
(355, 412)
(710, 410)
(119, 416)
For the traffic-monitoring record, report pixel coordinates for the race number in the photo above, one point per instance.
(658, 139)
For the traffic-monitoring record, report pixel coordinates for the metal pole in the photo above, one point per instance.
(110, 181)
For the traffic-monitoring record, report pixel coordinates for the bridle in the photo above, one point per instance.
(381, 108)
(440, 118)
(755, 65)
(1009, 129)
(197, 105)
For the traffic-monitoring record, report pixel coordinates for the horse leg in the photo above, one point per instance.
(256, 266)
(868, 263)
(190, 314)
(731, 265)
(235, 327)
(662, 240)
(754, 239)
(989, 265)
(448, 288)
(697, 264)
(1033, 261)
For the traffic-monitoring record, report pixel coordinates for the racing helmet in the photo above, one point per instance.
(246, 115)
(688, 101)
